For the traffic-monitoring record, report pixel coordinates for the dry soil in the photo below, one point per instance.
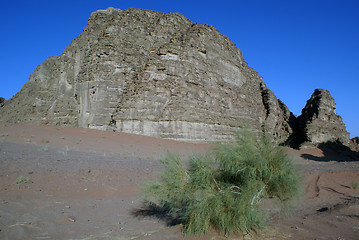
(68, 183)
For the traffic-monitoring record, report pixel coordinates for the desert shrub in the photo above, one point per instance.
(354, 185)
(22, 179)
(223, 189)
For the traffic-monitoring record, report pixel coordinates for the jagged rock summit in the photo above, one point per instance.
(150, 73)
(156, 74)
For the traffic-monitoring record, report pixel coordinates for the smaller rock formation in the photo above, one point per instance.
(319, 122)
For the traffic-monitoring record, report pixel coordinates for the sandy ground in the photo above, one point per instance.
(84, 184)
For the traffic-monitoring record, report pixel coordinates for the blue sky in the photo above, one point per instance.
(296, 46)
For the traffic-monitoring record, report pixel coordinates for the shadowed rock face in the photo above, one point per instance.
(319, 122)
(2, 101)
(354, 144)
(150, 73)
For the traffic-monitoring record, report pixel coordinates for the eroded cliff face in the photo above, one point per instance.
(150, 73)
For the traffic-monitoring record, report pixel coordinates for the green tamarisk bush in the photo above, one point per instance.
(222, 189)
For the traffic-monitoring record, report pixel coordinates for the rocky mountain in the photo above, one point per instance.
(156, 74)
(150, 73)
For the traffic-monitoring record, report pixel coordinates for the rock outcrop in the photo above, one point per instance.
(150, 73)
(319, 122)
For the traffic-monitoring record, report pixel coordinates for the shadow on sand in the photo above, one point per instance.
(161, 213)
(334, 151)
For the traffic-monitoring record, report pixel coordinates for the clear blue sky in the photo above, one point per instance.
(296, 46)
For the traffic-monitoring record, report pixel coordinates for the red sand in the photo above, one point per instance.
(84, 184)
